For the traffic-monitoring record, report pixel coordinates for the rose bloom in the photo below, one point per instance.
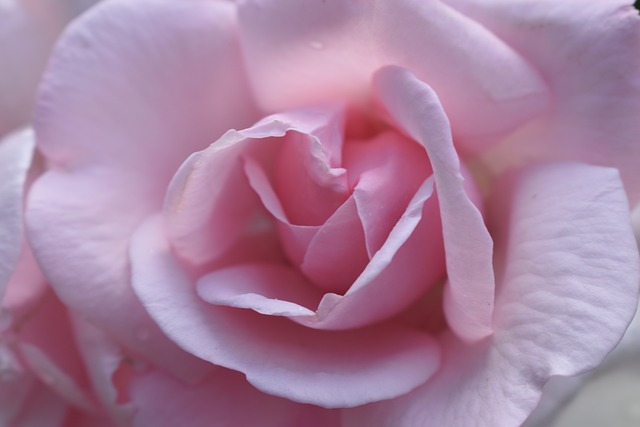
(339, 213)
(43, 380)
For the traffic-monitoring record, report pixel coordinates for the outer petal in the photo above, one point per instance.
(16, 384)
(16, 152)
(486, 85)
(333, 369)
(47, 346)
(592, 73)
(225, 399)
(139, 395)
(43, 409)
(25, 290)
(635, 220)
(132, 89)
(469, 293)
(102, 358)
(569, 290)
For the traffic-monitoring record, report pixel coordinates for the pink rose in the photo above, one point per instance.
(43, 381)
(286, 211)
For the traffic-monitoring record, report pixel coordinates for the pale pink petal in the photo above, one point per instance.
(381, 288)
(273, 289)
(16, 152)
(331, 255)
(47, 346)
(25, 290)
(204, 220)
(82, 419)
(224, 399)
(337, 253)
(591, 72)
(102, 358)
(635, 221)
(132, 89)
(485, 85)
(393, 279)
(26, 287)
(279, 357)
(570, 252)
(17, 385)
(469, 294)
(293, 239)
(568, 291)
(386, 172)
(43, 409)
(334, 253)
(310, 188)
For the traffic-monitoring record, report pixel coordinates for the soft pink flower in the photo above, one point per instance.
(43, 382)
(354, 249)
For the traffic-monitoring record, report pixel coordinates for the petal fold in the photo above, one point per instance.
(225, 399)
(278, 357)
(131, 90)
(469, 294)
(487, 87)
(16, 152)
(591, 73)
(568, 290)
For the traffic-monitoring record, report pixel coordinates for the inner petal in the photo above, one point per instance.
(337, 255)
(309, 188)
(272, 289)
(385, 173)
(332, 255)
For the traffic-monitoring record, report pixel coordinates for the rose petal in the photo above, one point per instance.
(25, 290)
(635, 221)
(393, 279)
(44, 408)
(48, 349)
(370, 296)
(485, 85)
(386, 172)
(570, 252)
(278, 356)
(131, 90)
(102, 358)
(331, 255)
(16, 385)
(309, 186)
(592, 73)
(16, 152)
(569, 289)
(337, 254)
(271, 289)
(469, 293)
(203, 221)
(225, 399)
(387, 284)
